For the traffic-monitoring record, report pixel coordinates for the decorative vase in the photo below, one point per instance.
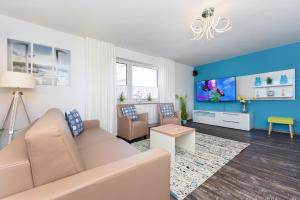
(184, 121)
(283, 79)
(257, 81)
(244, 108)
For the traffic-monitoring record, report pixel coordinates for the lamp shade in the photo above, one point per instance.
(16, 80)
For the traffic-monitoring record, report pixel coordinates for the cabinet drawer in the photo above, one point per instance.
(235, 117)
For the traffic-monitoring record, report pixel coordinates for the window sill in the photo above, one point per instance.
(140, 103)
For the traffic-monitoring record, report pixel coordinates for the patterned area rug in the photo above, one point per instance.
(189, 170)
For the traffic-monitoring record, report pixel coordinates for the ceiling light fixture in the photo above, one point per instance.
(208, 25)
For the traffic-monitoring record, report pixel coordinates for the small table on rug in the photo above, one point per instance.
(171, 135)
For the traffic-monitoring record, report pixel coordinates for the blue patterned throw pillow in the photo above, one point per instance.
(167, 110)
(130, 111)
(74, 121)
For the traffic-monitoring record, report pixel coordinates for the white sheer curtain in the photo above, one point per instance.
(166, 80)
(100, 86)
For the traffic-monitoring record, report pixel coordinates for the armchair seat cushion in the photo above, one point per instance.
(172, 120)
(138, 124)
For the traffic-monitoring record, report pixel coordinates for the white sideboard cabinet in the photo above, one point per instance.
(235, 120)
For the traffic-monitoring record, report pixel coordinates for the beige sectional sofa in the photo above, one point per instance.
(46, 162)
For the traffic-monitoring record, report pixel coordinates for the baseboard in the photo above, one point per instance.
(276, 131)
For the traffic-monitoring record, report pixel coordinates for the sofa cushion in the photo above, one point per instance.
(98, 147)
(130, 111)
(93, 136)
(74, 121)
(15, 171)
(167, 110)
(51, 149)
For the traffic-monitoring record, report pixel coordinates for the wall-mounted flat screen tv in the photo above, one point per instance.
(216, 90)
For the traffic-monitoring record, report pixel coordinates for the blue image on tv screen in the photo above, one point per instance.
(216, 90)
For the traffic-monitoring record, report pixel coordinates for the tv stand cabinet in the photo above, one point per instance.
(235, 120)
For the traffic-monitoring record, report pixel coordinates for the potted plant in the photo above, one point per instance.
(183, 108)
(269, 80)
(121, 98)
(149, 98)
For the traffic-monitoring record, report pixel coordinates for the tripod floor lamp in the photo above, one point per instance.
(16, 81)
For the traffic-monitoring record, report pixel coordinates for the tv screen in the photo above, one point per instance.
(216, 90)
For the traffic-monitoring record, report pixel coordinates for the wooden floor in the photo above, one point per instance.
(268, 169)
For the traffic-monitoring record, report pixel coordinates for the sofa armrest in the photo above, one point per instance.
(143, 176)
(95, 123)
(144, 117)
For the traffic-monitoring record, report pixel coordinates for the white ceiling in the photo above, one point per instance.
(161, 27)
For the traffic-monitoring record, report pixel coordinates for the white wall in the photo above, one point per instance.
(184, 84)
(136, 56)
(44, 97)
(66, 98)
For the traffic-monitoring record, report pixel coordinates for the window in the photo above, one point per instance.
(121, 74)
(49, 65)
(145, 77)
(136, 81)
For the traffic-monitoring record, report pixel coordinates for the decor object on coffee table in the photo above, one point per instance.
(281, 120)
(171, 135)
(17, 81)
(183, 109)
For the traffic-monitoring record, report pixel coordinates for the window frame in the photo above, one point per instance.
(123, 63)
(130, 64)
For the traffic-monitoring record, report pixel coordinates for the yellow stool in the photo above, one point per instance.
(281, 120)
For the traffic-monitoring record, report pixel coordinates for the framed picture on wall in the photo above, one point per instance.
(62, 69)
(42, 60)
(19, 56)
(49, 65)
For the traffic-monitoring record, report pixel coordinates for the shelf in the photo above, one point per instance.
(274, 85)
(273, 97)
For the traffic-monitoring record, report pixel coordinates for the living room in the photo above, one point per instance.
(172, 104)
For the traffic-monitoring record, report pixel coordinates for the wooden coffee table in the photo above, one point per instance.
(171, 135)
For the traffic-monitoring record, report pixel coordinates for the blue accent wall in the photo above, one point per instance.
(280, 58)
